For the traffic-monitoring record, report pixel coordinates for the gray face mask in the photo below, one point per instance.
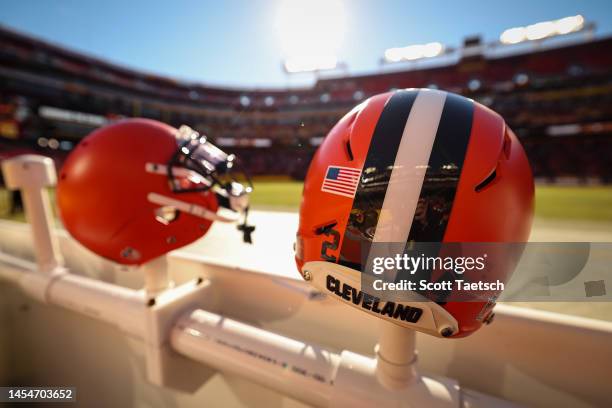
(216, 171)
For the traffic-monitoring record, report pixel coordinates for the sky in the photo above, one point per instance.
(242, 44)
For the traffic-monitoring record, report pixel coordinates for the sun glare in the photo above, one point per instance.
(310, 28)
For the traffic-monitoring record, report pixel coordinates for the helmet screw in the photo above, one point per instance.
(446, 332)
(171, 239)
(130, 253)
(307, 275)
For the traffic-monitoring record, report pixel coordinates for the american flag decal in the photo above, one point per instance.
(341, 181)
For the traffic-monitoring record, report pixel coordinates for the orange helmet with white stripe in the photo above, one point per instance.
(136, 189)
(408, 167)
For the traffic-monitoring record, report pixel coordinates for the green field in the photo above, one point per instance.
(552, 202)
(280, 195)
(574, 203)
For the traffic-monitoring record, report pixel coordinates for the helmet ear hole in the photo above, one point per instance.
(166, 215)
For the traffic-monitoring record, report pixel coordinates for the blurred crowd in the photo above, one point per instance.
(558, 100)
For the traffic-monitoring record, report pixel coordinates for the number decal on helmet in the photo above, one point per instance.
(330, 245)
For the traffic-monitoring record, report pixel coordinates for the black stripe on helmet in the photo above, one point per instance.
(440, 186)
(372, 187)
(443, 170)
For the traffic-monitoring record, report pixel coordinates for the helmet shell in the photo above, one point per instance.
(103, 188)
(458, 172)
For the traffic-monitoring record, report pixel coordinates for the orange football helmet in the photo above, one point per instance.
(405, 167)
(136, 189)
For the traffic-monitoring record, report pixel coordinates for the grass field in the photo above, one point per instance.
(552, 202)
(574, 203)
(280, 195)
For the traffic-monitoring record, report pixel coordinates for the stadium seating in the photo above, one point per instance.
(558, 100)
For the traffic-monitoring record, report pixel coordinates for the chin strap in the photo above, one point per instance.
(246, 229)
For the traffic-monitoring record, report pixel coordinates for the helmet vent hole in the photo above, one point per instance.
(507, 145)
(486, 182)
(350, 126)
(349, 151)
